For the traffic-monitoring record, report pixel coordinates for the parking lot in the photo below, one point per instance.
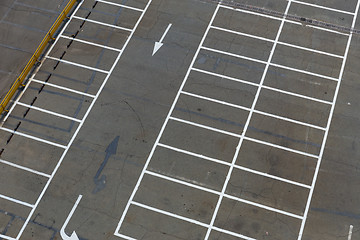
(243, 125)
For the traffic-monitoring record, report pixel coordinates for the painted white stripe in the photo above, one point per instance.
(48, 112)
(91, 43)
(350, 232)
(124, 236)
(166, 121)
(263, 206)
(297, 95)
(215, 100)
(272, 176)
(242, 34)
(194, 154)
(78, 65)
(303, 71)
(32, 137)
(267, 64)
(169, 214)
(205, 127)
(281, 43)
(188, 220)
(255, 84)
(121, 5)
(281, 147)
(16, 201)
(323, 7)
(236, 166)
(234, 55)
(271, 64)
(232, 233)
(310, 50)
(256, 111)
(104, 24)
(289, 120)
(317, 169)
(63, 88)
(280, 19)
(6, 237)
(24, 168)
(224, 76)
(181, 182)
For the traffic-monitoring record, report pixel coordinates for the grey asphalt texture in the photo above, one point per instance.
(108, 153)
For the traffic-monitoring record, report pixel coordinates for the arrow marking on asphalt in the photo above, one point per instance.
(100, 182)
(62, 231)
(159, 44)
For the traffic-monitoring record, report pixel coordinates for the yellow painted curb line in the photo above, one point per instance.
(48, 37)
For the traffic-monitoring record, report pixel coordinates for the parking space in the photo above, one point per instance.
(219, 135)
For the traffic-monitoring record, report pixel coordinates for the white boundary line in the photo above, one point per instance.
(24, 168)
(32, 137)
(104, 24)
(256, 111)
(63, 88)
(323, 7)
(267, 64)
(317, 169)
(16, 201)
(165, 122)
(84, 118)
(279, 19)
(6, 237)
(280, 147)
(49, 112)
(91, 43)
(78, 65)
(271, 64)
(281, 43)
(267, 87)
(120, 5)
(188, 220)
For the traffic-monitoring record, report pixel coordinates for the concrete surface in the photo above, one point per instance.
(235, 156)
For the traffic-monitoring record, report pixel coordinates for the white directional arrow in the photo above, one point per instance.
(159, 44)
(62, 231)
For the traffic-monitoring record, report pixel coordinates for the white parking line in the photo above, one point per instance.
(323, 7)
(280, 147)
(215, 100)
(350, 232)
(256, 111)
(16, 201)
(176, 216)
(205, 127)
(104, 24)
(91, 43)
(24, 168)
(49, 112)
(32, 137)
(63, 88)
(78, 65)
(279, 42)
(6, 237)
(234, 55)
(317, 169)
(121, 5)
